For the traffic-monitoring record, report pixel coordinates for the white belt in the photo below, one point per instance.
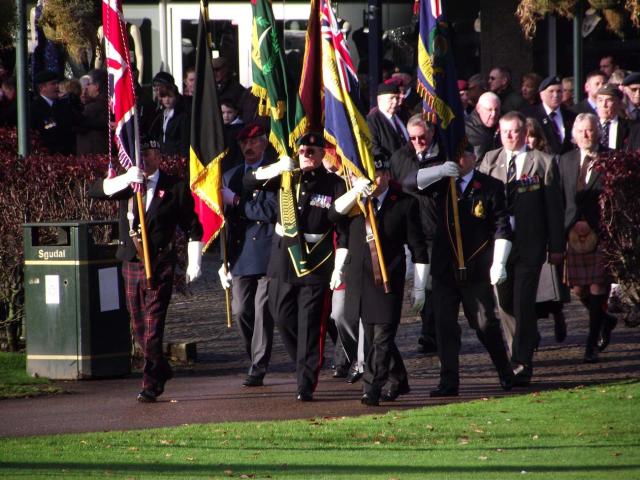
(308, 237)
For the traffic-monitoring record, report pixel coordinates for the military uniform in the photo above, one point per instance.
(299, 297)
(250, 229)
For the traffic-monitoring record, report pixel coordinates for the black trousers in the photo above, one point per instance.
(384, 366)
(300, 312)
(478, 303)
(517, 309)
(250, 306)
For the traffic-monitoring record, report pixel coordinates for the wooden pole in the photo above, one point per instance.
(227, 291)
(456, 221)
(376, 237)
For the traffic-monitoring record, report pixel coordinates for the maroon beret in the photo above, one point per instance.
(252, 130)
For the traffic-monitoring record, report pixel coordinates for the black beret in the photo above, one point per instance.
(311, 139)
(388, 88)
(547, 82)
(45, 76)
(164, 78)
(219, 62)
(252, 130)
(611, 90)
(381, 162)
(632, 79)
(148, 143)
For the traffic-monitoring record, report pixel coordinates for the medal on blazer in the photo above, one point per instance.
(478, 208)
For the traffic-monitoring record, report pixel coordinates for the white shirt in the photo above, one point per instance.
(152, 182)
(520, 154)
(557, 120)
(381, 198)
(464, 181)
(583, 154)
(613, 132)
(166, 116)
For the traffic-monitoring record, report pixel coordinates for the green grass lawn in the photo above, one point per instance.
(584, 433)
(14, 381)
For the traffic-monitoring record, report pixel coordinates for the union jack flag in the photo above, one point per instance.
(122, 97)
(345, 125)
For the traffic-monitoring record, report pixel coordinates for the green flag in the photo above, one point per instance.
(272, 82)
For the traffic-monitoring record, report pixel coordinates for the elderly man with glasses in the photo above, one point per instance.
(302, 254)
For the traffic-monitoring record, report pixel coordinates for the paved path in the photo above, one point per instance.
(211, 391)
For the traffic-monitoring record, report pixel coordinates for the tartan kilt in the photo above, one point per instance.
(586, 268)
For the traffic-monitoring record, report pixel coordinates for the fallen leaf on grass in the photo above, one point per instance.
(616, 454)
(463, 440)
(535, 437)
(244, 475)
(482, 457)
(228, 473)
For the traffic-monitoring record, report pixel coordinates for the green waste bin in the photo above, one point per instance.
(77, 325)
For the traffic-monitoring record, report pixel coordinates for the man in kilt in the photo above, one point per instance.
(581, 186)
(168, 205)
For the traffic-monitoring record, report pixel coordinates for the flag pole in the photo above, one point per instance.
(141, 207)
(462, 269)
(227, 291)
(376, 239)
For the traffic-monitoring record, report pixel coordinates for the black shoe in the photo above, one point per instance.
(610, 323)
(159, 390)
(427, 345)
(369, 400)
(559, 327)
(253, 381)
(353, 376)
(591, 356)
(393, 393)
(443, 391)
(507, 381)
(146, 396)
(304, 396)
(341, 371)
(521, 376)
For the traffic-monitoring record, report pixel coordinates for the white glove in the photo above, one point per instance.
(119, 183)
(285, 164)
(228, 196)
(194, 256)
(430, 175)
(336, 275)
(420, 274)
(225, 276)
(498, 271)
(344, 203)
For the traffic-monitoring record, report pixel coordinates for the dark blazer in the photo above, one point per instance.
(177, 138)
(92, 127)
(397, 226)
(482, 138)
(568, 117)
(172, 206)
(583, 205)
(623, 132)
(583, 107)
(250, 225)
(404, 170)
(317, 191)
(483, 218)
(633, 143)
(54, 124)
(537, 205)
(384, 136)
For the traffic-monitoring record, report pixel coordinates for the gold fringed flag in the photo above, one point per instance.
(207, 138)
(272, 83)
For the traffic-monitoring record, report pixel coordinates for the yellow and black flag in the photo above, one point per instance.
(207, 138)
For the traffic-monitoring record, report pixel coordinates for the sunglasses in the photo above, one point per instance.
(307, 152)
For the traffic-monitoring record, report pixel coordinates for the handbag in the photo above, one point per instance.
(549, 288)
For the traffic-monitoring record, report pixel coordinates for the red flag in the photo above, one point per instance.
(122, 95)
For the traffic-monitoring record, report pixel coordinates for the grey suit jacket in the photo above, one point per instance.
(537, 207)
